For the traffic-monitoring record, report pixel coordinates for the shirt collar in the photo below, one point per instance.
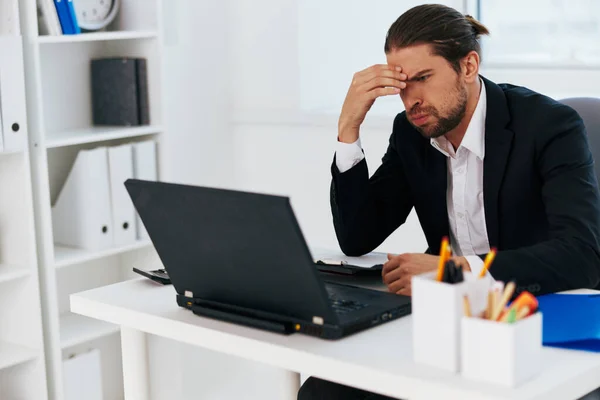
(474, 136)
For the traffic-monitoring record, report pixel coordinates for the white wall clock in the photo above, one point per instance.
(93, 15)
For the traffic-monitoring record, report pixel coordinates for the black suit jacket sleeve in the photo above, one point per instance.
(570, 257)
(366, 211)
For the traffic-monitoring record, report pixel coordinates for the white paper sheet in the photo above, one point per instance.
(336, 257)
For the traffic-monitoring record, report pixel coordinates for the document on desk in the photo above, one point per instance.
(336, 261)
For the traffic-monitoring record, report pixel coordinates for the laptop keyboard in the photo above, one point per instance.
(343, 306)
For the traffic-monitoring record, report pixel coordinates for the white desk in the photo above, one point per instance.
(378, 360)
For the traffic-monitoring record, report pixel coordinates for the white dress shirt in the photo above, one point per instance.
(464, 193)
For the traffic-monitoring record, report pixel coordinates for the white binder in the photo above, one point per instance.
(9, 18)
(120, 165)
(82, 376)
(144, 167)
(48, 18)
(12, 93)
(81, 215)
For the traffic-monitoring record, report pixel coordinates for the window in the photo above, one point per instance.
(541, 32)
(534, 43)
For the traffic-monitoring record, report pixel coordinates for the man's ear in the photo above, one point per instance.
(470, 67)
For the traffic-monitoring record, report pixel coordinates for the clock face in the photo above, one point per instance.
(92, 11)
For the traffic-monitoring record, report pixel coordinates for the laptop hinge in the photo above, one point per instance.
(236, 314)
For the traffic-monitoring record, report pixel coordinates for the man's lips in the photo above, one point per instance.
(419, 119)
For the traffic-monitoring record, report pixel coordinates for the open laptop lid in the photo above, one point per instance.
(232, 247)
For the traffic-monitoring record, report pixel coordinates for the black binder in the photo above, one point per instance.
(120, 91)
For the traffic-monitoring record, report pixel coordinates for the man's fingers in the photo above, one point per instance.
(399, 284)
(398, 273)
(381, 72)
(407, 291)
(381, 92)
(390, 265)
(381, 82)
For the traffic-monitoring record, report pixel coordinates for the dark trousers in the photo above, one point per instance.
(318, 389)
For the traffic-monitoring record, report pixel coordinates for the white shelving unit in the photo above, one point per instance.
(60, 125)
(22, 361)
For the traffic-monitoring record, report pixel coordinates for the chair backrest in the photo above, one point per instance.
(588, 109)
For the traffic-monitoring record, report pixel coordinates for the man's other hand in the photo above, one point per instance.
(398, 271)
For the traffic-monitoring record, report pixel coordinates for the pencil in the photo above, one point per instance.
(487, 262)
(443, 258)
(466, 306)
(522, 313)
(490, 305)
(508, 292)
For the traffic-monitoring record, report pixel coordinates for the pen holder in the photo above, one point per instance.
(500, 352)
(437, 309)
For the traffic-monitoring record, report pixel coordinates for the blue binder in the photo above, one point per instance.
(73, 17)
(571, 321)
(62, 9)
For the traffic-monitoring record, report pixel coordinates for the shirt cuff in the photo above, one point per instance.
(476, 265)
(347, 155)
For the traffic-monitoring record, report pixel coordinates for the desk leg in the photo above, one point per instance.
(135, 364)
(290, 385)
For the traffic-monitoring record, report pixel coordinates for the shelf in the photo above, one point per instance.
(65, 256)
(98, 36)
(12, 354)
(12, 272)
(76, 329)
(99, 134)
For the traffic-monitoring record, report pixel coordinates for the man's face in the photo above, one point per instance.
(435, 97)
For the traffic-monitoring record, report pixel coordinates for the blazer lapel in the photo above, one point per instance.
(498, 140)
(437, 171)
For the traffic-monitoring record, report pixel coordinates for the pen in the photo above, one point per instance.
(487, 262)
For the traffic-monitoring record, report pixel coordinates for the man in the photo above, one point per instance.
(487, 165)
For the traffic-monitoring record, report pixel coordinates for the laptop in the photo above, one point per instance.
(241, 257)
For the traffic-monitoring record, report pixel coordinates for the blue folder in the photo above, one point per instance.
(571, 321)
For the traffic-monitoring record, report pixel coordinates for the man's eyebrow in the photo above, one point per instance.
(420, 74)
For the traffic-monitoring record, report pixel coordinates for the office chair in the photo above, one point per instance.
(588, 109)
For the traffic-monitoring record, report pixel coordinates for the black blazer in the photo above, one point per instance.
(541, 198)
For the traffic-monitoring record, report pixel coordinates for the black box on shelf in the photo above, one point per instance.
(120, 91)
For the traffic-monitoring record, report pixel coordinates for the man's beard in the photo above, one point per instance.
(443, 124)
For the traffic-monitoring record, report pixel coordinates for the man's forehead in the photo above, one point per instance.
(413, 59)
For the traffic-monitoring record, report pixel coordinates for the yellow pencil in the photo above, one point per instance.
(491, 302)
(522, 313)
(487, 262)
(508, 292)
(443, 258)
(467, 306)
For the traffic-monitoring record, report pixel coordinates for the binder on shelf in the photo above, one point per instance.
(73, 17)
(120, 166)
(81, 215)
(144, 167)
(9, 18)
(12, 93)
(119, 92)
(48, 22)
(62, 9)
(82, 376)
